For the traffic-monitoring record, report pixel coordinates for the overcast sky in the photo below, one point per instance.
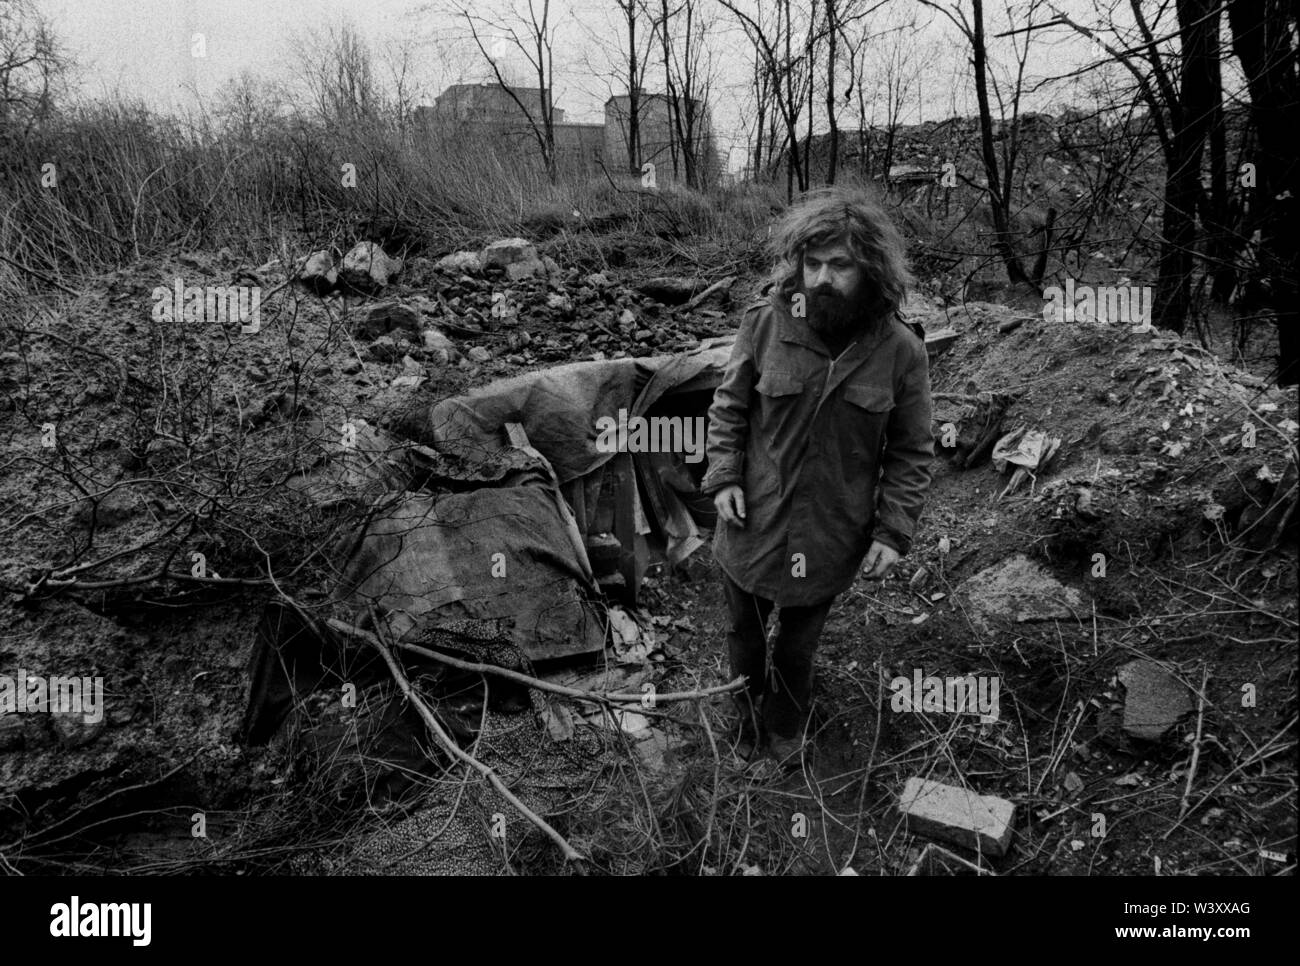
(142, 48)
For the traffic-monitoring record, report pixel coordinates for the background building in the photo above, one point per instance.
(489, 111)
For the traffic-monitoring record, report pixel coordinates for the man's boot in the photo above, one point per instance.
(746, 739)
(786, 751)
(788, 701)
(746, 648)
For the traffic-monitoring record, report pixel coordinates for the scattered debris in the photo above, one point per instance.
(940, 341)
(1020, 590)
(460, 263)
(1154, 700)
(982, 823)
(386, 318)
(671, 290)
(438, 348)
(632, 643)
(1029, 450)
(936, 860)
(368, 268)
(320, 273)
(515, 256)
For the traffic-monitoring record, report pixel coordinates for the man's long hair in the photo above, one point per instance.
(852, 214)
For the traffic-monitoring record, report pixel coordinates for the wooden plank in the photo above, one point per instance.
(517, 435)
(937, 343)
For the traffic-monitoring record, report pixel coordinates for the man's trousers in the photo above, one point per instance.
(785, 687)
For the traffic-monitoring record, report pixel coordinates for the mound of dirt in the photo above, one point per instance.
(1159, 439)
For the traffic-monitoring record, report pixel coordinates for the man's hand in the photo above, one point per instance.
(880, 561)
(730, 503)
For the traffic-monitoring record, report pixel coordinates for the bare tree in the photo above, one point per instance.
(337, 67)
(635, 74)
(899, 60)
(402, 70)
(621, 64)
(683, 33)
(1000, 173)
(1160, 77)
(1198, 22)
(840, 15)
(528, 29)
(833, 28)
(788, 78)
(1263, 40)
(247, 103)
(33, 65)
(762, 86)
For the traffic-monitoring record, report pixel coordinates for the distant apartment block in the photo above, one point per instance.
(656, 130)
(493, 111)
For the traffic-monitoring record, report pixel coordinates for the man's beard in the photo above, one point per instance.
(836, 317)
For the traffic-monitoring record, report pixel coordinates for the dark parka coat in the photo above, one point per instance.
(831, 453)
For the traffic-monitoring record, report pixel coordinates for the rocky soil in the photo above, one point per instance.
(147, 520)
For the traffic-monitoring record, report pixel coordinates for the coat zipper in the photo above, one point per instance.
(830, 373)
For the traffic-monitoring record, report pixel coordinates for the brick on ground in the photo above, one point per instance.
(982, 823)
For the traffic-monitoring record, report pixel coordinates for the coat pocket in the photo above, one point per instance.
(867, 415)
(779, 393)
(776, 384)
(872, 398)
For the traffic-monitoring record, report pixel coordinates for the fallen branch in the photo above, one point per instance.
(47, 581)
(597, 697)
(713, 799)
(40, 275)
(713, 289)
(431, 722)
(1257, 756)
(1196, 754)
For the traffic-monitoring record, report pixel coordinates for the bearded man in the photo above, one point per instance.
(819, 450)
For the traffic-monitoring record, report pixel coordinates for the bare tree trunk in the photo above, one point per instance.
(788, 100)
(536, 47)
(664, 16)
(1198, 30)
(810, 57)
(761, 78)
(795, 171)
(633, 90)
(833, 139)
(999, 194)
(1262, 41)
(1216, 218)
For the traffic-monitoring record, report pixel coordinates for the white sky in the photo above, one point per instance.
(142, 48)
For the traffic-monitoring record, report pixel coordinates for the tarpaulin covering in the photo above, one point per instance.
(472, 526)
(558, 407)
(506, 553)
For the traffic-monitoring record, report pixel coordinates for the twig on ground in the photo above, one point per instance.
(431, 722)
(39, 275)
(538, 683)
(1196, 753)
(713, 799)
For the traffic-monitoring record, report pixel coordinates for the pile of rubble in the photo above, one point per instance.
(507, 302)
